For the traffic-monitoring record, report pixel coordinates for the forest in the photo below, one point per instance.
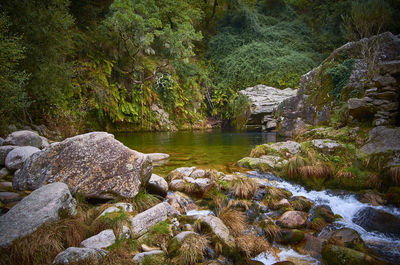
(84, 65)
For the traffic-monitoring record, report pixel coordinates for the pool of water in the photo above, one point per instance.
(204, 149)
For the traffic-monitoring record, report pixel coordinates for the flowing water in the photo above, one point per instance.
(221, 150)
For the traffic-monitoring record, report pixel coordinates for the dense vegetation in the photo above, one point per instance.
(80, 65)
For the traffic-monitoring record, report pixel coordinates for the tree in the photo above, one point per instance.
(14, 100)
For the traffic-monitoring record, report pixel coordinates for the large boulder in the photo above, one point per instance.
(42, 206)
(94, 164)
(17, 157)
(264, 100)
(142, 222)
(292, 219)
(382, 139)
(73, 255)
(26, 138)
(338, 255)
(348, 238)
(4, 150)
(291, 147)
(374, 220)
(103, 239)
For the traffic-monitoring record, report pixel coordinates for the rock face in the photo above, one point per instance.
(142, 222)
(42, 206)
(17, 157)
(94, 164)
(74, 255)
(264, 100)
(4, 150)
(382, 139)
(157, 185)
(376, 220)
(26, 138)
(377, 100)
(102, 240)
(163, 123)
(292, 219)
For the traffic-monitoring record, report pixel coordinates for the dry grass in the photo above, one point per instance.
(271, 230)
(319, 171)
(212, 174)
(345, 174)
(293, 166)
(374, 181)
(120, 256)
(318, 224)
(191, 250)
(244, 188)
(259, 150)
(394, 173)
(233, 219)
(244, 204)
(278, 193)
(251, 245)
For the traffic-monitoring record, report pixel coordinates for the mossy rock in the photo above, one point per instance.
(348, 238)
(337, 255)
(290, 237)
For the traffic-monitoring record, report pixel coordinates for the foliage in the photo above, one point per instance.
(340, 74)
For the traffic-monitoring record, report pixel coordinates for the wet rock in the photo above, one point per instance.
(324, 212)
(26, 138)
(94, 164)
(301, 203)
(374, 220)
(382, 139)
(17, 157)
(142, 222)
(180, 173)
(42, 206)
(337, 255)
(4, 150)
(74, 255)
(263, 162)
(290, 147)
(311, 245)
(157, 185)
(292, 219)
(348, 238)
(181, 202)
(158, 156)
(372, 198)
(103, 239)
(139, 258)
(5, 185)
(219, 229)
(326, 145)
(7, 197)
(291, 237)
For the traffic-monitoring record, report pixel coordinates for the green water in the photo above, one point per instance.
(204, 149)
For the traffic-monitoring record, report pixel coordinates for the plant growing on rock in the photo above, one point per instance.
(394, 173)
(143, 201)
(271, 229)
(233, 219)
(251, 245)
(244, 188)
(191, 250)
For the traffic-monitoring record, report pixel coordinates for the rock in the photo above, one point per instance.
(372, 198)
(324, 212)
(264, 100)
(374, 220)
(127, 207)
(311, 245)
(382, 139)
(382, 81)
(291, 237)
(326, 145)
(337, 255)
(291, 147)
(219, 229)
(284, 263)
(181, 202)
(361, 109)
(157, 185)
(180, 173)
(5, 185)
(281, 204)
(201, 185)
(158, 156)
(4, 172)
(262, 163)
(161, 118)
(74, 255)
(348, 238)
(26, 138)
(176, 242)
(103, 239)
(4, 150)
(1, 141)
(301, 203)
(292, 219)
(143, 221)
(94, 164)
(198, 173)
(138, 258)
(177, 185)
(42, 206)
(7, 197)
(17, 157)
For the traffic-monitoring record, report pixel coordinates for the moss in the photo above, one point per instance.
(161, 228)
(154, 260)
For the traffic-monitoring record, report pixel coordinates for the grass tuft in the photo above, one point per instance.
(251, 245)
(293, 166)
(191, 250)
(233, 219)
(394, 173)
(244, 188)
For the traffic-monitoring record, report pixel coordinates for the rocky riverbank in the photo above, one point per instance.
(91, 200)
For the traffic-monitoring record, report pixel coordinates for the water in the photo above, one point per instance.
(345, 205)
(204, 149)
